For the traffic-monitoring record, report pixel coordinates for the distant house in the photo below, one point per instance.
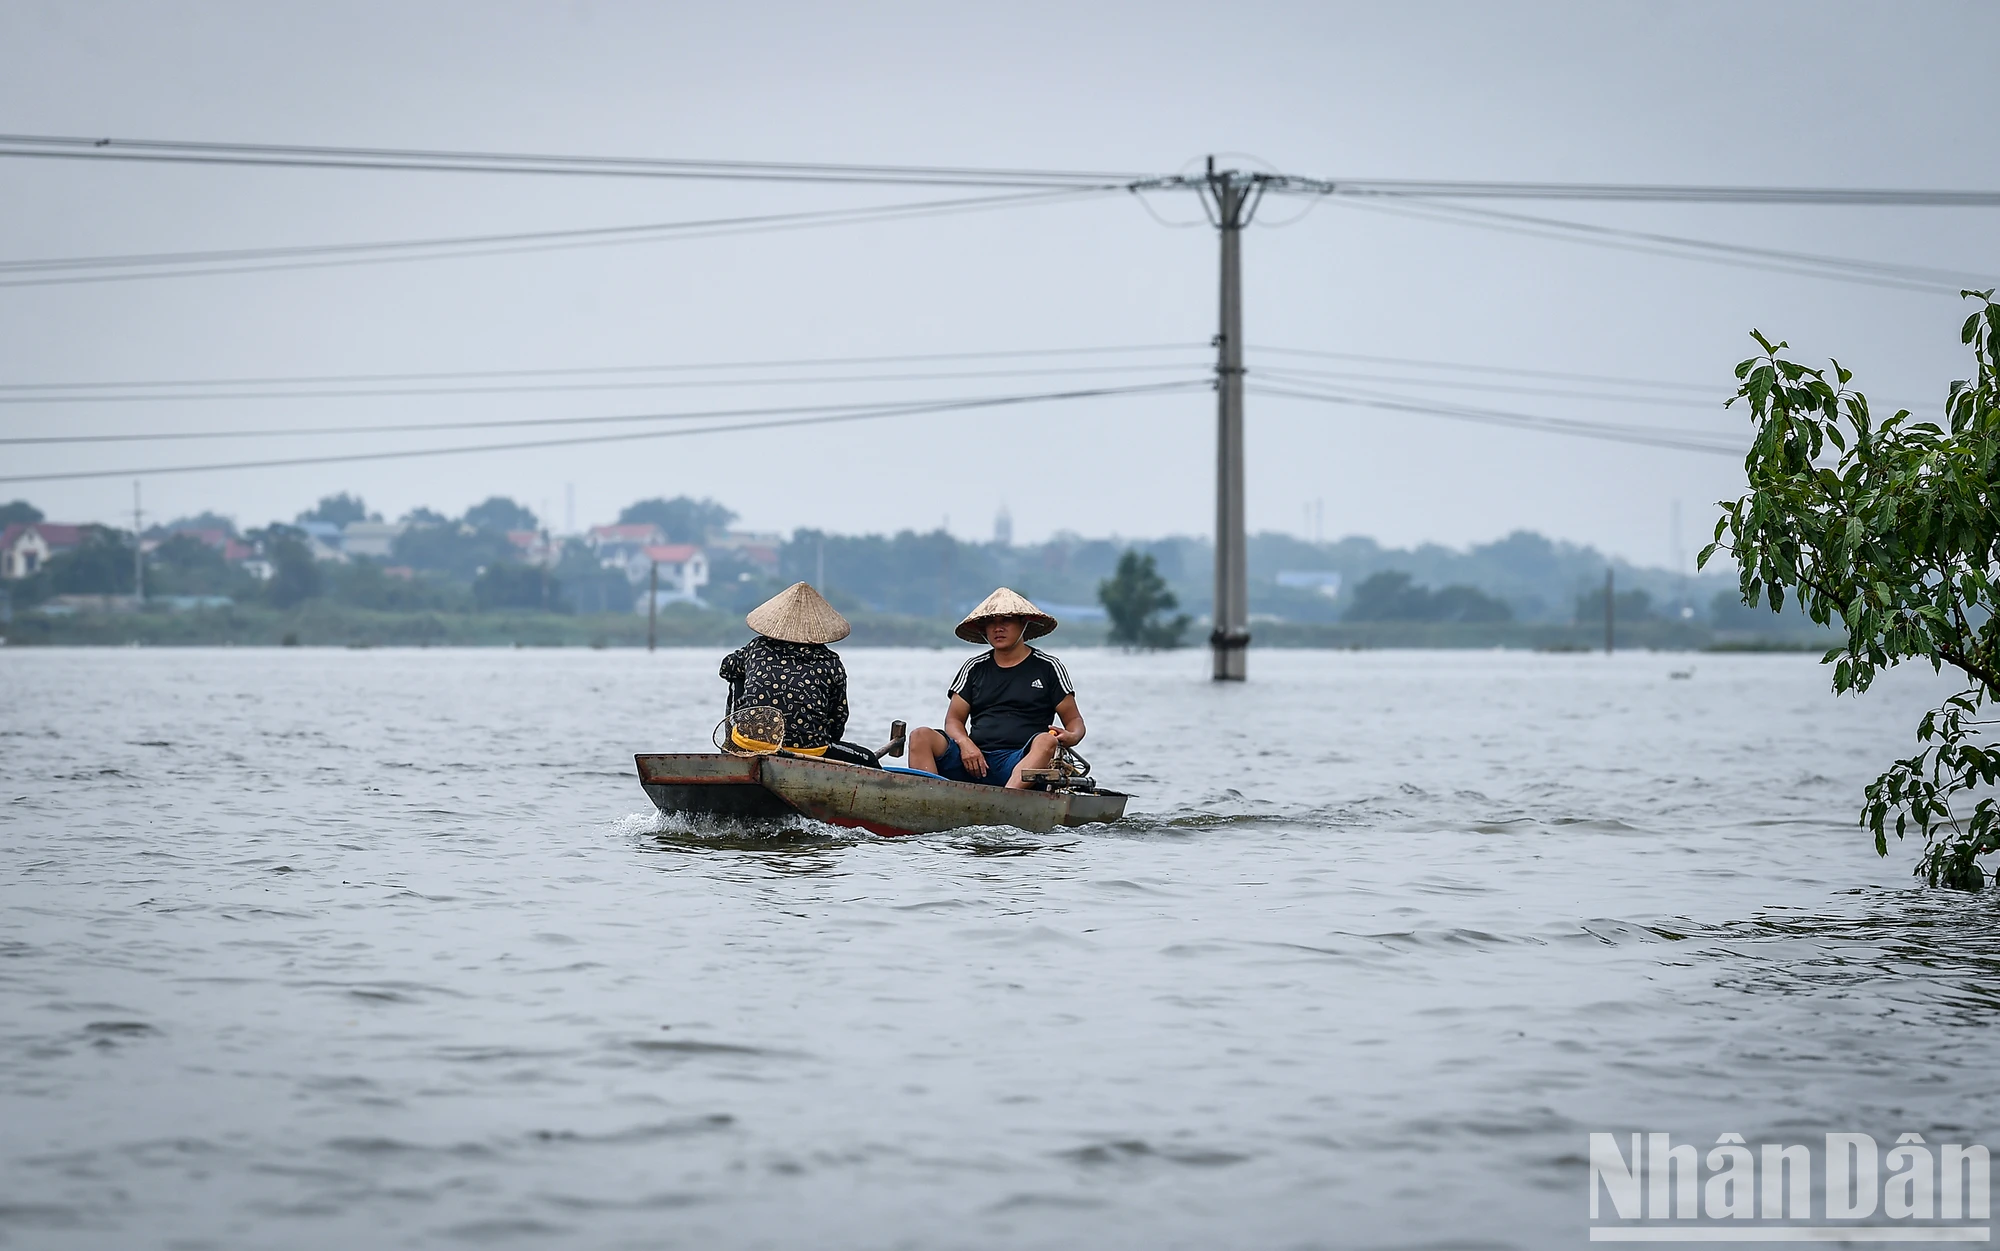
(233, 550)
(370, 538)
(615, 546)
(26, 546)
(683, 572)
(323, 540)
(533, 547)
(760, 550)
(324, 531)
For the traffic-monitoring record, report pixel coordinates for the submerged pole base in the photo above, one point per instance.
(1231, 652)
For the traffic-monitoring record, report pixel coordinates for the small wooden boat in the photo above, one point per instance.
(883, 801)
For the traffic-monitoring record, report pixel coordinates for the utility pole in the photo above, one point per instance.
(1231, 199)
(1607, 612)
(138, 549)
(652, 604)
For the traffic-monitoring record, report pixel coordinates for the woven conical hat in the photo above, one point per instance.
(1004, 603)
(798, 614)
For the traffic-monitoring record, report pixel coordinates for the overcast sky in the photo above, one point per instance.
(1806, 94)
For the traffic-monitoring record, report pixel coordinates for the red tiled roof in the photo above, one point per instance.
(631, 534)
(56, 536)
(673, 553)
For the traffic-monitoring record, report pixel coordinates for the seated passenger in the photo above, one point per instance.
(1010, 694)
(792, 669)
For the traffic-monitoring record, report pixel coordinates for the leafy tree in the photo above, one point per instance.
(1625, 606)
(921, 575)
(99, 565)
(588, 586)
(1891, 528)
(425, 517)
(202, 521)
(681, 519)
(1392, 595)
(184, 565)
(364, 583)
(499, 515)
(528, 587)
(1470, 604)
(450, 550)
(1727, 611)
(295, 575)
(20, 511)
(1389, 596)
(336, 510)
(1136, 599)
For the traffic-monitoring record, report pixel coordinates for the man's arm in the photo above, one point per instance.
(1072, 718)
(969, 755)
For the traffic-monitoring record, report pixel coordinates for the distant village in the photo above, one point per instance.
(688, 555)
(498, 555)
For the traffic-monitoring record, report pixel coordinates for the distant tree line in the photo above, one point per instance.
(467, 563)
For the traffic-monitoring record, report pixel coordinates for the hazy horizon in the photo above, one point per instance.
(1689, 94)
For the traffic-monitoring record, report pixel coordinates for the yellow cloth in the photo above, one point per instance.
(757, 745)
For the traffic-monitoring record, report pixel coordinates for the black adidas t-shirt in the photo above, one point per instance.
(1011, 706)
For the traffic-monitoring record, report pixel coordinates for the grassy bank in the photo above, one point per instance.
(318, 623)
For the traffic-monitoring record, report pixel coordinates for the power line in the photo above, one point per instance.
(796, 362)
(155, 436)
(1506, 370)
(339, 255)
(468, 161)
(174, 151)
(1742, 256)
(1463, 384)
(1645, 436)
(649, 384)
(1671, 193)
(898, 410)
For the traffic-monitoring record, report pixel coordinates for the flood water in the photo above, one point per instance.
(387, 948)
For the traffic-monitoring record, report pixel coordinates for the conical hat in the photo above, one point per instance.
(1004, 603)
(798, 614)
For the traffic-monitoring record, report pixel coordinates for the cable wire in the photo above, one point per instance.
(1743, 256)
(336, 255)
(867, 414)
(198, 152)
(1645, 436)
(1684, 193)
(647, 384)
(589, 370)
(1506, 388)
(1505, 370)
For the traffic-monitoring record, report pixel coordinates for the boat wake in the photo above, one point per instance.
(701, 832)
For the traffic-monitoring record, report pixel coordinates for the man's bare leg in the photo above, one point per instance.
(1041, 751)
(926, 745)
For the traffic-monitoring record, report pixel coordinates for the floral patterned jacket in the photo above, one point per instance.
(804, 681)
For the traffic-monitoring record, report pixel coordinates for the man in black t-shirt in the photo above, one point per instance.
(1010, 695)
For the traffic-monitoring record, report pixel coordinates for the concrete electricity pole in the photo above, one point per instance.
(138, 549)
(1231, 199)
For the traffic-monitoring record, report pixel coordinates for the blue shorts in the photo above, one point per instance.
(999, 765)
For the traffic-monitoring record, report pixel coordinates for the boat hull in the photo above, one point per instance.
(878, 800)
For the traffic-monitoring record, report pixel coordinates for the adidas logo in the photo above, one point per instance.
(1037, 684)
